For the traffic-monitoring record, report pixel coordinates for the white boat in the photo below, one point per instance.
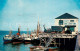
(27, 38)
(7, 38)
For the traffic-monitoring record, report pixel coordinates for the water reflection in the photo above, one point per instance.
(19, 47)
(27, 46)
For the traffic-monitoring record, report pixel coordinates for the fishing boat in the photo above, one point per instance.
(37, 48)
(27, 39)
(17, 39)
(34, 39)
(7, 38)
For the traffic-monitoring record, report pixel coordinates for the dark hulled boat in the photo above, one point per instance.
(17, 40)
(35, 40)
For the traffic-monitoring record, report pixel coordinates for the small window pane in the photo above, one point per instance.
(66, 20)
(71, 20)
(74, 23)
(65, 23)
(60, 22)
(70, 23)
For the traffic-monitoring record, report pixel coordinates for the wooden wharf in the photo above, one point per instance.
(52, 38)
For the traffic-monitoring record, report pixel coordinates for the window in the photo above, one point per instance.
(72, 29)
(66, 20)
(65, 23)
(70, 23)
(60, 22)
(74, 23)
(71, 20)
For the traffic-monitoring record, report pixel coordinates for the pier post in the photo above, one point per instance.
(69, 39)
(59, 42)
(44, 41)
(55, 44)
(64, 41)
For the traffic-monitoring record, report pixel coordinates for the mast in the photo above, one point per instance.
(44, 26)
(38, 27)
(19, 29)
(27, 31)
(10, 32)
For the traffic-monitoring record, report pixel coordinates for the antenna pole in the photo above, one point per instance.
(27, 31)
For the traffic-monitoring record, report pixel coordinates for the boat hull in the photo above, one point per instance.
(35, 41)
(27, 41)
(7, 41)
(17, 41)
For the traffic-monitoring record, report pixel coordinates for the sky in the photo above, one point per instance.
(25, 13)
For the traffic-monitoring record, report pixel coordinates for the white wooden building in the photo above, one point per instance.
(67, 21)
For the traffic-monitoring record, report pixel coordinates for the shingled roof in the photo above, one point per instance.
(66, 16)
